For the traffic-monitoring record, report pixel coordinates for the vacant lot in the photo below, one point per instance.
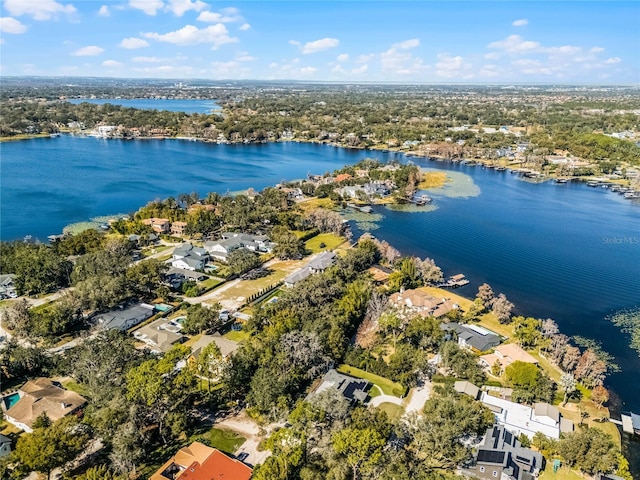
(329, 240)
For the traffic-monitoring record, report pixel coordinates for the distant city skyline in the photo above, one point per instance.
(361, 41)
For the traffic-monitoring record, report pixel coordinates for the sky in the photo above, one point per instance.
(582, 42)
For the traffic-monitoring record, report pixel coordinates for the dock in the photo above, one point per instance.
(363, 208)
(454, 281)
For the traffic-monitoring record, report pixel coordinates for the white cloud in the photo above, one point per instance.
(308, 70)
(231, 69)
(88, 51)
(11, 25)
(516, 44)
(343, 57)
(452, 67)
(150, 7)
(597, 50)
(133, 42)
(146, 59)
(407, 44)
(320, 45)
(165, 70)
(227, 15)
(492, 56)
(189, 35)
(399, 60)
(112, 64)
(244, 26)
(244, 57)
(104, 11)
(489, 71)
(180, 7)
(38, 9)
(360, 70)
(530, 66)
(294, 42)
(612, 60)
(520, 23)
(365, 58)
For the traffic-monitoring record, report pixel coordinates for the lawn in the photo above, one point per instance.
(224, 440)
(210, 283)
(392, 410)
(236, 335)
(329, 240)
(75, 387)
(153, 250)
(313, 203)
(387, 386)
(564, 473)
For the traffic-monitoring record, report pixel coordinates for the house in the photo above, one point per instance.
(160, 335)
(472, 337)
(177, 228)
(468, 388)
(227, 347)
(230, 241)
(188, 257)
(5, 446)
(125, 318)
(318, 264)
(158, 225)
(220, 249)
(506, 355)
(350, 191)
(379, 273)
(631, 423)
(322, 261)
(6, 284)
(296, 277)
(417, 300)
(39, 396)
(353, 389)
(502, 456)
(517, 418)
(342, 177)
(200, 462)
(175, 277)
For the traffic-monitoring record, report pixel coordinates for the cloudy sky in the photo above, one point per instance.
(416, 41)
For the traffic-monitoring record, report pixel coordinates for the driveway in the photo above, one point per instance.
(254, 434)
(417, 398)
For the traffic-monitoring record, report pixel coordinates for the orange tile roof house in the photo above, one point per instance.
(199, 462)
(39, 396)
(506, 355)
(159, 225)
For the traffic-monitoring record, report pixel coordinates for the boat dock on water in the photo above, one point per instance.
(454, 281)
(361, 208)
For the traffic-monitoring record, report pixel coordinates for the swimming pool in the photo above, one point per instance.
(11, 400)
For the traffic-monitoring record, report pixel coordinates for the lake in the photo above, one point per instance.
(568, 252)
(171, 105)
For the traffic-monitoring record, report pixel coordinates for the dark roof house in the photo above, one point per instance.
(353, 389)
(473, 337)
(503, 456)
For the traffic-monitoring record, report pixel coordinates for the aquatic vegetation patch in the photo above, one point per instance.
(629, 322)
(459, 185)
(364, 221)
(411, 208)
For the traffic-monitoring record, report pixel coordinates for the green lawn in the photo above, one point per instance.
(330, 241)
(387, 386)
(236, 336)
(153, 250)
(564, 473)
(210, 283)
(224, 440)
(392, 410)
(76, 387)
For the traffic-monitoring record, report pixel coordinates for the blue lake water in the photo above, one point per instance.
(171, 105)
(568, 252)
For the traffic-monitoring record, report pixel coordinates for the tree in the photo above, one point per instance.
(485, 294)
(461, 363)
(429, 271)
(201, 319)
(568, 385)
(242, 260)
(101, 472)
(590, 370)
(391, 324)
(147, 275)
(528, 382)
(570, 357)
(210, 364)
(436, 437)
(600, 395)
(527, 331)
(51, 447)
(359, 447)
(501, 308)
(288, 245)
(591, 450)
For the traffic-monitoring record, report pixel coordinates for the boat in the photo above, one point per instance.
(632, 195)
(562, 180)
(454, 281)
(593, 184)
(501, 169)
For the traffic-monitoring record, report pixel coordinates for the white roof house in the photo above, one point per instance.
(517, 418)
